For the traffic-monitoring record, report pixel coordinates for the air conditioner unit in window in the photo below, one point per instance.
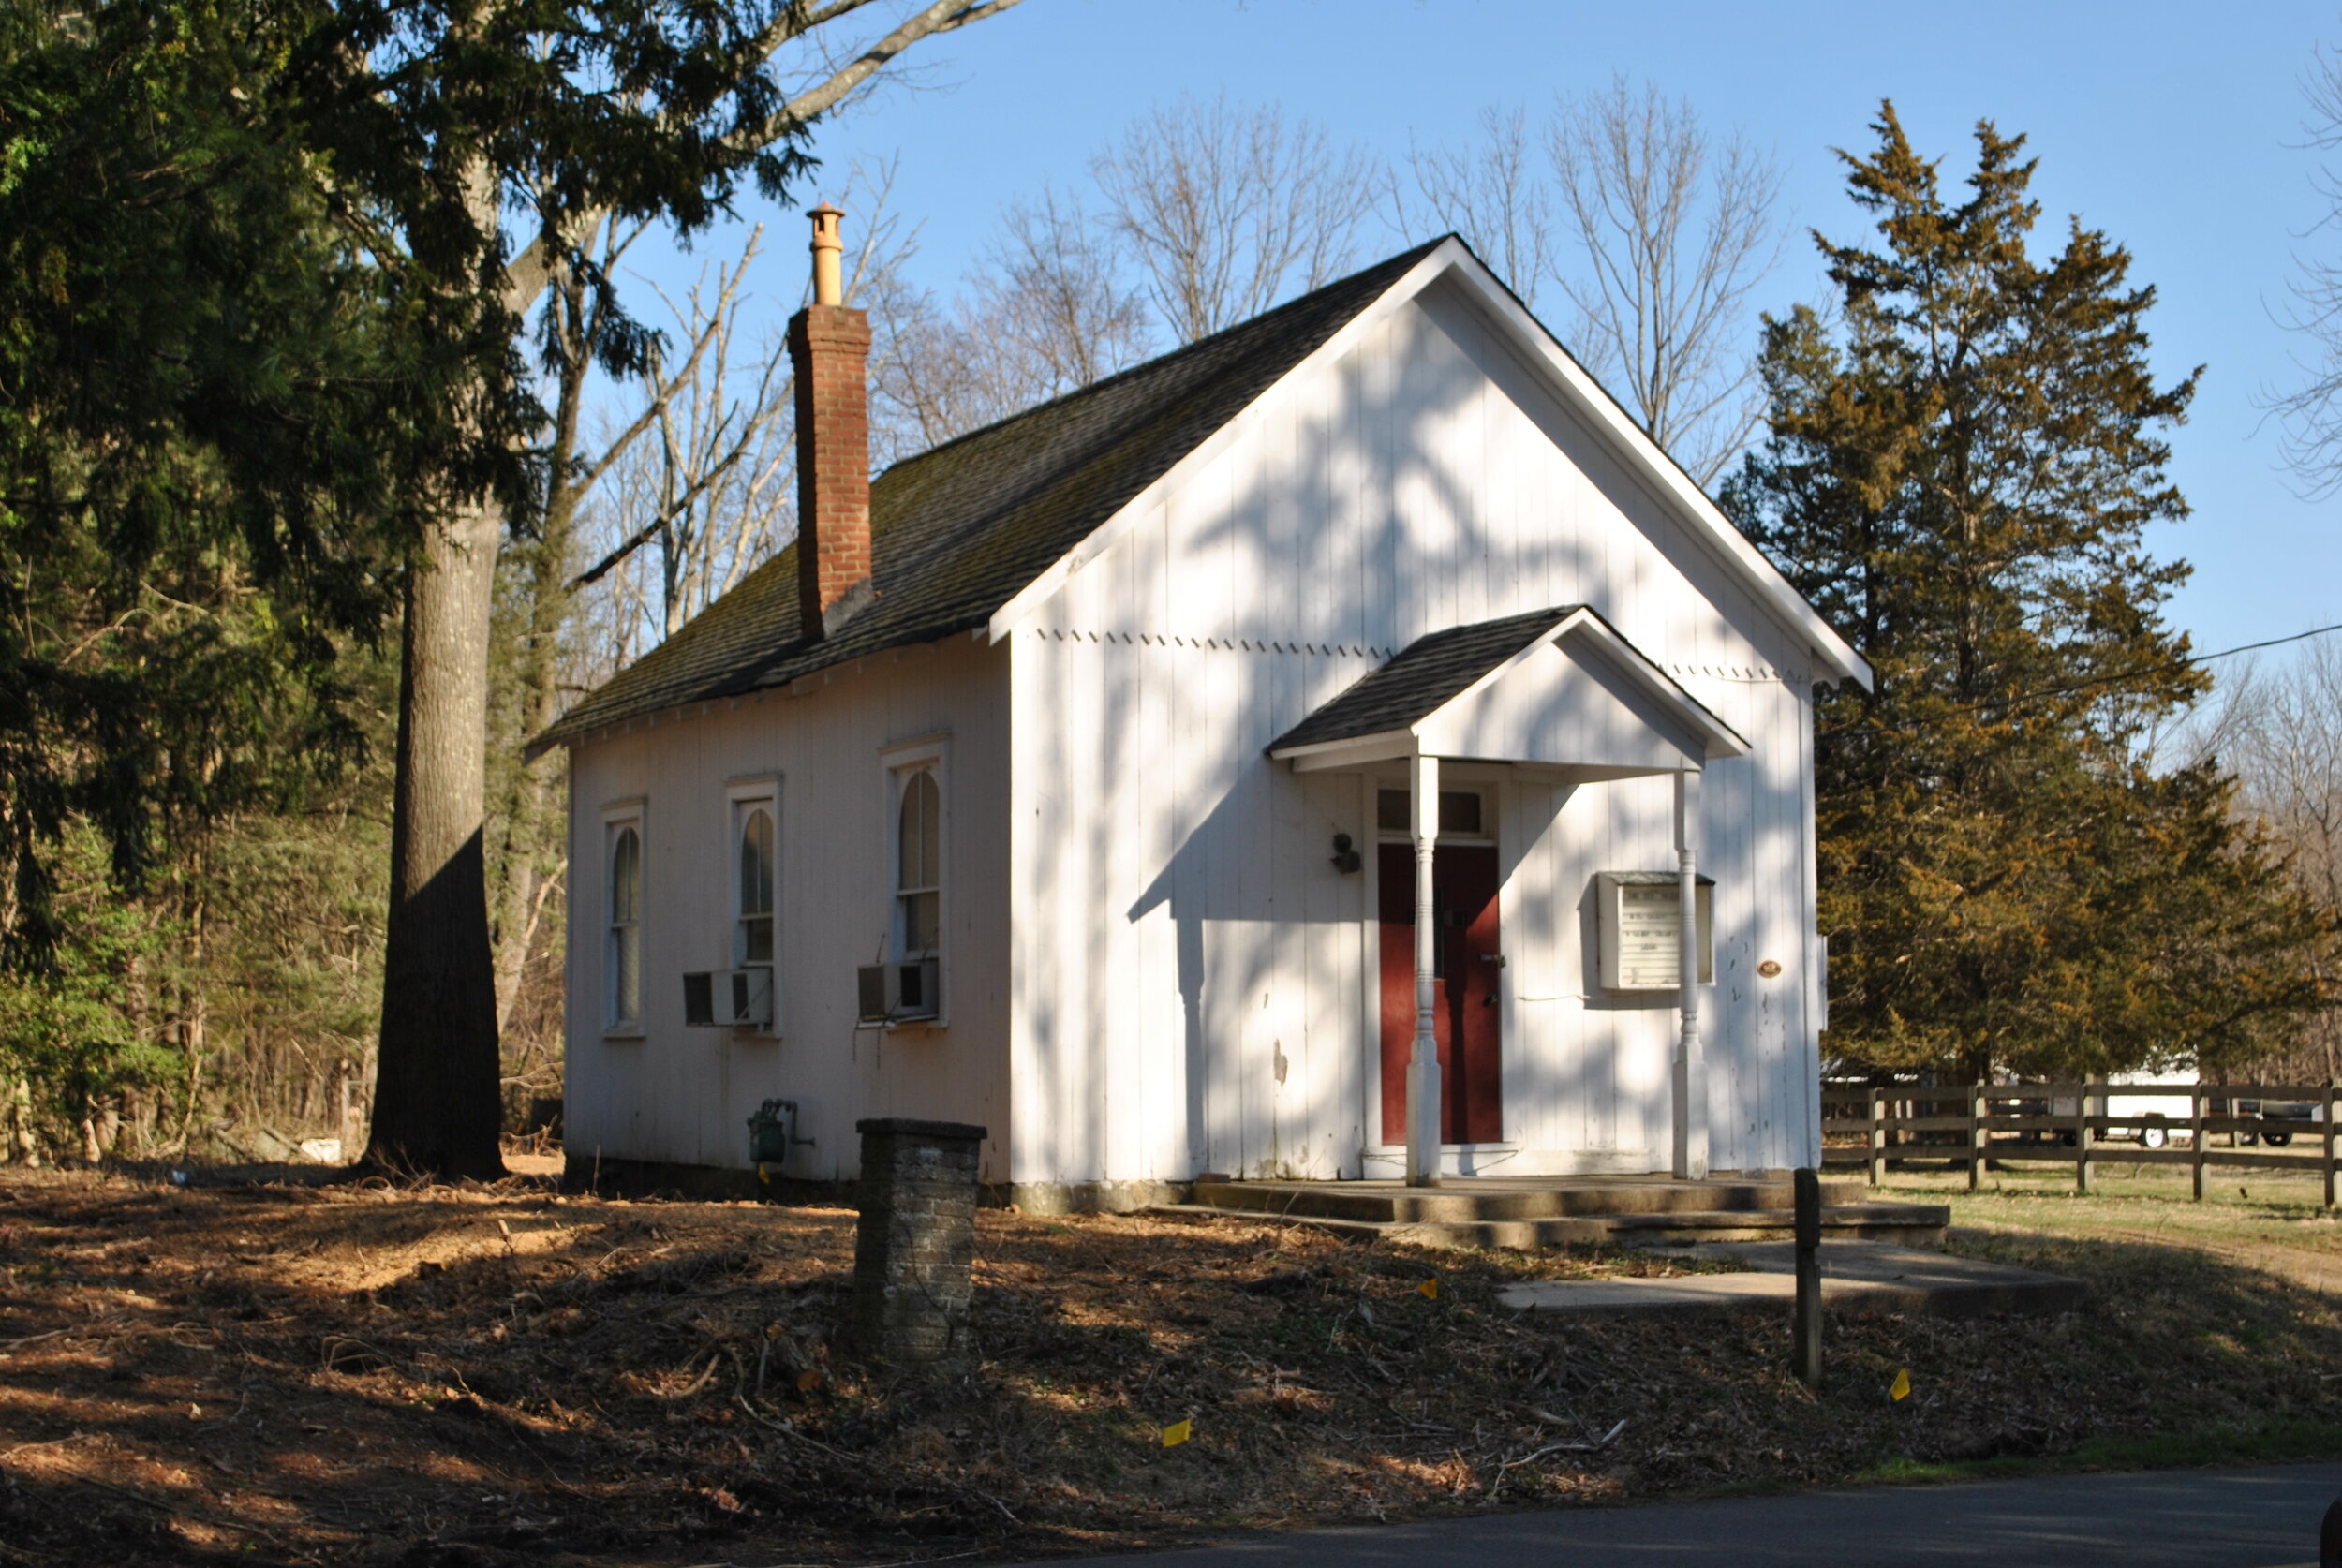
(730, 998)
(893, 993)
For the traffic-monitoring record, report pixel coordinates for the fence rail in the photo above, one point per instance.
(1951, 1127)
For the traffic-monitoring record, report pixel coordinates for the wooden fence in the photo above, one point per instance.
(1948, 1126)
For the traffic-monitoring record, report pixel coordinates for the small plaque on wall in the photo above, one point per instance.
(1642, 916)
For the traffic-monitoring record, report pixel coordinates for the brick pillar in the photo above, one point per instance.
(828, 346)
(916, 1238)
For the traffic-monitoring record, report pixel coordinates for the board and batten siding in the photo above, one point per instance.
(683, 1096)
(1192, 981)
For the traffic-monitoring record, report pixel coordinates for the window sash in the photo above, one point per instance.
(625, 1001)
(919, 866)
(755, 893)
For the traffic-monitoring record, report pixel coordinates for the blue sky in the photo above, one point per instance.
(2177, 129)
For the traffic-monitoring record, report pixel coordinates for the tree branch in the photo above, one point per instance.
(527, 273)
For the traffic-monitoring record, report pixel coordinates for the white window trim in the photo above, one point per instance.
(740, 795)
(929, 753)
(632, 812)
(1489, 808)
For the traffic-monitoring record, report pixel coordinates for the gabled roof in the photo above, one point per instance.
(1424, 677)
(959, 530)
(1406, 705)
(971, 535)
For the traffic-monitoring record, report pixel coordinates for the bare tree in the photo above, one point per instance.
(1493, 192)
(1673, 231)
(1046, 312)
(707, 483)
(2280, 733)
(1226, 211)
(1652, 231)
(702, 468)
(2312, 411)
(1055, 291)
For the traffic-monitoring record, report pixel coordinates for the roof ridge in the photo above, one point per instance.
(989, 512)
(1171, 356)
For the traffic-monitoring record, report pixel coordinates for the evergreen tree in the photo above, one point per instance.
(207, 434)
(1964, 457)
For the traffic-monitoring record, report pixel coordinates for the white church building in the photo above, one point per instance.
(1084, 777)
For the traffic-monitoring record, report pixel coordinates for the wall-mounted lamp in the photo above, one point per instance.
(1347, 859)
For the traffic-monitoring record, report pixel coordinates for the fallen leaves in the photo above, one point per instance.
(511, 1373)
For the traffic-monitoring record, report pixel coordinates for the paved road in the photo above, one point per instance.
(2204, 1519)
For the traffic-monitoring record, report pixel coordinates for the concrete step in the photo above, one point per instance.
(1903, 1225)
(1857, 1276)
(1481, 1200)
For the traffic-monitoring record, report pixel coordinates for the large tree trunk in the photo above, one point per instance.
(436, 1107)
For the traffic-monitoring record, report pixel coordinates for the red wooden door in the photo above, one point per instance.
(1464, 1007)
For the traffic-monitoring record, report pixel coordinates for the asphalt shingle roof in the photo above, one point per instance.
(959, 530)
(1425, 675)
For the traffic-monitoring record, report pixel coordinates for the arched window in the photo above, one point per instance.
(752, 939)
(625, 926)
(919, 868)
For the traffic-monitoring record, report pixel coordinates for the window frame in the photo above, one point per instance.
(900, 762)
(1484, 793)
(744, 796)
(619, 817)
(1609, 913)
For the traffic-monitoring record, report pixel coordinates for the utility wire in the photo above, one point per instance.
(2135, 674)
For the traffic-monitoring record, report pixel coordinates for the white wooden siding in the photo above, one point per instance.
(1191, 980)
(684, 1095)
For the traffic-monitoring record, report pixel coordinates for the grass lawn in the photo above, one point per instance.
(358, 1374)
(2247, 1269)
(2263, 1220)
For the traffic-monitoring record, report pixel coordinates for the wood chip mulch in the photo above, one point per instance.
(363, 1374)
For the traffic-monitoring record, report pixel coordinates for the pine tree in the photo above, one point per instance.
(207, 429)
(1965, 455)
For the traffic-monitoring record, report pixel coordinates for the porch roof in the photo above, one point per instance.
(1557, 686)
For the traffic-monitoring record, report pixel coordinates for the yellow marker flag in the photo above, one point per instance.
(1430, 1289)
(1901, 1389)
(1175, 1434)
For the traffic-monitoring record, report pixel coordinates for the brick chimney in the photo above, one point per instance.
(828, 348)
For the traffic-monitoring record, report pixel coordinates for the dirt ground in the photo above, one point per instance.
(361, 1374)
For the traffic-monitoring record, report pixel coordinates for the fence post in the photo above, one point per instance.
(2327, 1128)
(2197, 1137)
(1976, 1136)
(1878, 1136)
(2081, 1139)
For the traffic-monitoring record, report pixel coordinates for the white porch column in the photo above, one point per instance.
(1691, 1072)
(1423, 1061)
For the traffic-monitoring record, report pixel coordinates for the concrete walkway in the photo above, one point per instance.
(2260, 1517)
(1857, 1276)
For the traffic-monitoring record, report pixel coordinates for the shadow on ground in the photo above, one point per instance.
(361, 1373)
